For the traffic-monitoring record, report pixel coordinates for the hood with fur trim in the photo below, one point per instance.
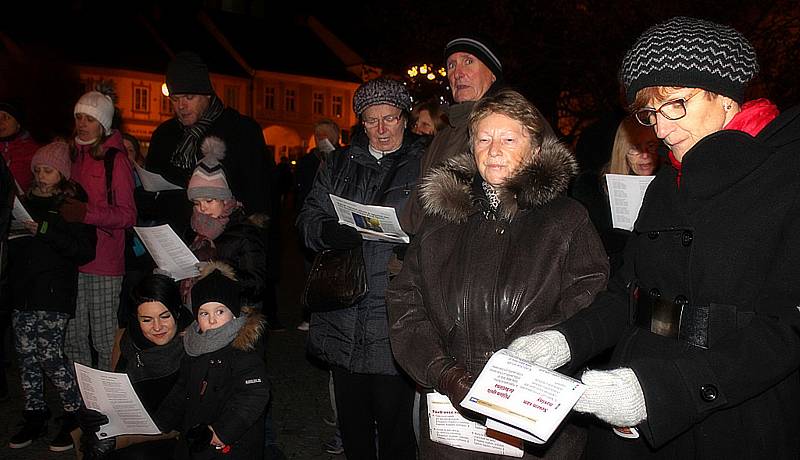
(248, 336)
(447, 191)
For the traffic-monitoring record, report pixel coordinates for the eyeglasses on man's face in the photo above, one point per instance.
(671, 110)
(388, 120)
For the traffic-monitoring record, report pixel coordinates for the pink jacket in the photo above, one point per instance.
(111, 220)
(17, 154)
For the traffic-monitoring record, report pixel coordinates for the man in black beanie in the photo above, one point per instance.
(175, 145)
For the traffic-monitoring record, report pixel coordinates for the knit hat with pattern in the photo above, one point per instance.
(478, 48)
(99, 106)
(693, 53)
(54, 155)
(208, 179)
(381, 91)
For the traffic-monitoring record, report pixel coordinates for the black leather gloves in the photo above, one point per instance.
(199, 438)
(90, 420)
(339, 236)
(455, 383)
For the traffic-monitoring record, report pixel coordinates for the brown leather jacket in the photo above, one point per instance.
(474, 281)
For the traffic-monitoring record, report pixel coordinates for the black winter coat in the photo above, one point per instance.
(727, 239)
(43, 268)
(227, 389)
(357, 338)
(248, 168)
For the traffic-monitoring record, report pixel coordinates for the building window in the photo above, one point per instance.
(289, 97)
(166, 105)
(318, 104)
(336, 106)
(232, 97)
(141, 99)
(269, 98)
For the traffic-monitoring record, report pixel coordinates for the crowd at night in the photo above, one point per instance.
(400, 231)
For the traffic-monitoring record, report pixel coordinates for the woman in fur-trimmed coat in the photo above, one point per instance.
(501, 252)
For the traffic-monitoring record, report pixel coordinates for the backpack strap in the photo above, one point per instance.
(108, 163)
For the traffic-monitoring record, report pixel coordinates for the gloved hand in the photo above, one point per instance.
(400, 251)
(613, 396)
(96, 449)
(73, 210)
(547, 349)
(339, 236)
(455, 383)
(90, 420)
(199, 438)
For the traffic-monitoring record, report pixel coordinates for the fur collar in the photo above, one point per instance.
(447, 190)
(248, 335)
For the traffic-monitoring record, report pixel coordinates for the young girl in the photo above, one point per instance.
(219, 400)
(102, 168)
(43, 279)
(222, 230)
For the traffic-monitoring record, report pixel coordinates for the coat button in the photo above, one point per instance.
(652, 235)
(681, 301)
(500, 230)
(654, 293)
(708, 393)
(686, 238)
(487, 354)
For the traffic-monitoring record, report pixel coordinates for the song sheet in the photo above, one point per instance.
(153, 182)
(169, 252)
(625, 194)
(525, 396)
(112, 394)
(376, 223)
(448, 427)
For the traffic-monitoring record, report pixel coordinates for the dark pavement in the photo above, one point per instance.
(300, 389)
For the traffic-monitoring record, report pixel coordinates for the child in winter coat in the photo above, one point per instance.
(219, 399)
(43, 278)
(222, 230)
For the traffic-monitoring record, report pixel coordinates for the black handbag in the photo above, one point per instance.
(338, 279)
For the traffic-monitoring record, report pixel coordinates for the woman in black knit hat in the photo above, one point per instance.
(703, 314)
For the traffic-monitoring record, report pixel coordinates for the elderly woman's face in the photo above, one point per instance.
(384, 124)
(704, 115)
(501, 145)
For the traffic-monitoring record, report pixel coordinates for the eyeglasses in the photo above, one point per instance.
(637, 150)
(671, 110)
(388, 120)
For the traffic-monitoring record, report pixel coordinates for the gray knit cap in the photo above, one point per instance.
(381, 91)
(691, 53)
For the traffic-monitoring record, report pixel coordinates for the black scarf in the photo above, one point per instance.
(153, 362)
(185, 155)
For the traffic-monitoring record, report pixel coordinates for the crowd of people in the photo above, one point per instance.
(685, 331)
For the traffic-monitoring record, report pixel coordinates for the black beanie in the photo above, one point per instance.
(188, 74)
(691, 53)
(13, 109)
(217, 283)
(480, 49)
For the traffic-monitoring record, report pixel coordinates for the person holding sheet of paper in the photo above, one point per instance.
(703, 314)
(380, 167)
(43, 281)
(151, 354)
(221, 229)
(634, 152)
(219, 400)
(501, 253)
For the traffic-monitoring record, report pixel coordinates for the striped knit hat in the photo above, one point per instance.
(692, 53)
(478, 48)
(208, 179)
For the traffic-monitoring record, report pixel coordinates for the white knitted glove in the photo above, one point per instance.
(547, 349)
(613, 396)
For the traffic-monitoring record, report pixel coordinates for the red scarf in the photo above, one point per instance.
(755, 115)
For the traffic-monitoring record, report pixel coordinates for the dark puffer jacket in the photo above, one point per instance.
(43, 268)
(471, 284)
(227, 389)
(726, 243)
(357, 338)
